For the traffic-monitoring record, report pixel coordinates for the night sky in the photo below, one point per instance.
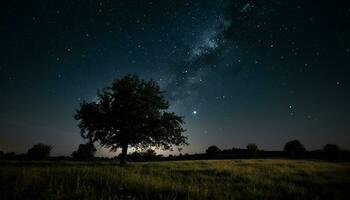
(239, 71)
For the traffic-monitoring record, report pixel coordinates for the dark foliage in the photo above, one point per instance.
(212, 150)
(84, 152)
(9, 156)
(148, 155)
(39, 152)
(252, 149)
(132, 112)
(294, 149)
(332, 152)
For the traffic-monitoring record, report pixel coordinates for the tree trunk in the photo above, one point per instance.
(123, 155)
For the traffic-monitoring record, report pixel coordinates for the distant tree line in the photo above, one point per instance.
(86, 152)
(42, 151)
(293, 149)
(37, 152)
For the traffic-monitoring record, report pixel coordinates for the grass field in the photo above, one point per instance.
(213, 179)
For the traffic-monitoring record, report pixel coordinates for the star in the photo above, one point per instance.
(194, 112)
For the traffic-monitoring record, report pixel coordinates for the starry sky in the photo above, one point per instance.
(239, 71)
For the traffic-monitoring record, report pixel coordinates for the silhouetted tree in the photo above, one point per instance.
(1, 154)
(84, 152)
(345, 155)
(212, 150)
(39, 151)
(135, 156)
(332, 152)
(132, 112)
(149, 154)
(10, 155)
(294, 149)
(252, 149)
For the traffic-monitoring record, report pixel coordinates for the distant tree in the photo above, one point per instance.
(21, 156)
(252, 149)
(132, 112)
(1, 153)
(345, 155)
(294, 149)
(135, 156)
(10, 155)
(85, 152)
(212, 150)
(39, 151)
(332, 152)
(149, 154)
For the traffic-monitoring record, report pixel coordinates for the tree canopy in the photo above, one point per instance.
(294, 149)
(131, 112)
(332, 152)
(213, 149)
(85, 152)
(252, 149)
(39, 151)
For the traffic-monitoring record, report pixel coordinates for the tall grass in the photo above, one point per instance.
(214, 179)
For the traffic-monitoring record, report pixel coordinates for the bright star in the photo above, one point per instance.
(194, 112)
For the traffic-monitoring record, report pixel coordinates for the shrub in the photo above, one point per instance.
(294, 149)
(84, 152)
(212, 150)
(332, 152)
(252, 149)
(39, 152)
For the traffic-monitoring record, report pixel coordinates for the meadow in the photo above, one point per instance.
(207, 179)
